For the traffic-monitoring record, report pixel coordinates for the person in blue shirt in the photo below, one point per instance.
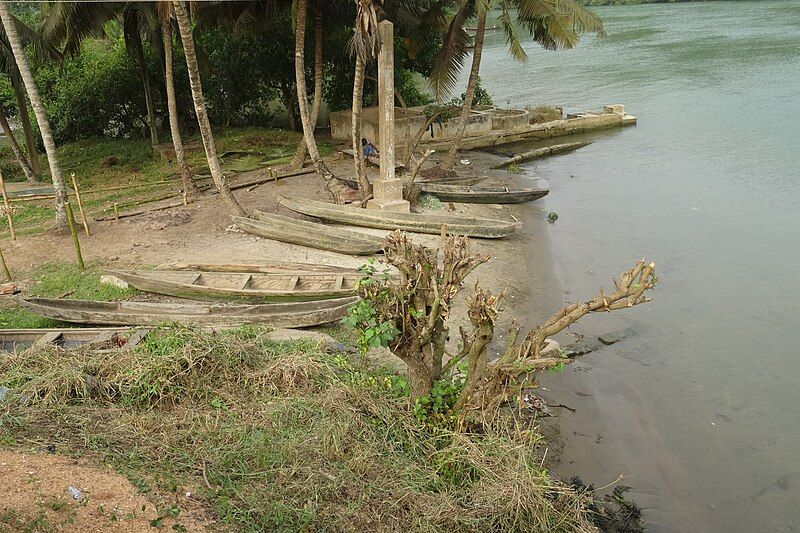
(368, 149)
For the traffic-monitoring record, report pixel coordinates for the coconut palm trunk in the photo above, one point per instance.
(12, 142)
(334, 186)
(200, 109)
(38, 109)
(358, 152)
(449, 159)
(30, 142)
(141, 63)
(302, 149)
(189, 186)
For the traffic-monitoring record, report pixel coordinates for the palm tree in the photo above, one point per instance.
(12, 142)
(334, 186)
(553, 24)
(189, 186)
(200, 109)
(364, 44)
(302, 149)
(38, 109)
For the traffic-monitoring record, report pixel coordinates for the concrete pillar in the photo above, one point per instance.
(387, 190)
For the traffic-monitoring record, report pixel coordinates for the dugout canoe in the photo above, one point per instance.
(311, 234)
(353, 184)
(67, 338)
(420, 223)
(251, 287)
(278, 315)
(488, 194)
(267, 267)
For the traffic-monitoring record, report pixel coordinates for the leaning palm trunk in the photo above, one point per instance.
(30, 142)
(302, 149)
(148, 93)
(189, 186)
(358, 153)
(38, 109)
(450, 158)
(200, 109)
(334, 187)
(12, 142)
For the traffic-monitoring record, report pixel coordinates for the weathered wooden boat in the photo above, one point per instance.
(268, 267)
(279, 315)
(487, 195)
(553, 149)
(471, 180)
(420, 223)
(98, 338)
(311, 234)
(252, 287)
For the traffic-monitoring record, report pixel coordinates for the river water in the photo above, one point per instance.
(701, 410)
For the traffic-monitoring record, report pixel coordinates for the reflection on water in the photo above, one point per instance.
(701, 409)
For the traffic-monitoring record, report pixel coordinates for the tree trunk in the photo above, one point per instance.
(300, 154)
(38, 109)
(12, 142)
(30, 142)
(450, 158)
(200, 109)
(420, 381)
(189, 187)
(148, 93)
(358, 153)
(334, 186)
(289, 99)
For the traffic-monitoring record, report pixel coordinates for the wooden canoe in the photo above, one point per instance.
(99, 338)
(353, 184)
(487, 195)
(249, 287)
(269, 267)
(278, 315)
(311, 234)
(419, 223)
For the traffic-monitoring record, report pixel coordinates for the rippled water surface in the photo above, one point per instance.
(705, 401)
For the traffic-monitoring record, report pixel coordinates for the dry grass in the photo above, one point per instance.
(280, 437)
(544, 113)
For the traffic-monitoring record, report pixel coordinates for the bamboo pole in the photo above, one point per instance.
(80, 204)
(5, 265)
(75, 242)
(7, 207)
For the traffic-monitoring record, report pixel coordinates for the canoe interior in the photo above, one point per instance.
(245, 281)
(269, 267)
(12, 340)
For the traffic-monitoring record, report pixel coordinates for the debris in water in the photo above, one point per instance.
(616, 336)
(552, 216)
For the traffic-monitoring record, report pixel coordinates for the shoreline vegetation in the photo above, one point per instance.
(386, 420)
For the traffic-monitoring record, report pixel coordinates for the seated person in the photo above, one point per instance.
(368, 148)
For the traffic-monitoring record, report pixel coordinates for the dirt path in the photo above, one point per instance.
(36, 497)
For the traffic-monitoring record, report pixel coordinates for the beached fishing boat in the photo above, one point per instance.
(250, 287)
(279, 315)
(488, 194)
(98, 338)
(416, 222)
(311, 234)
(471, 180)
(267, 267)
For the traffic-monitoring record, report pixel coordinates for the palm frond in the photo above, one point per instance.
(510, 29)
(455, 47)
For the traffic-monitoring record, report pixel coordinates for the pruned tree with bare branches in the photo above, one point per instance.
(417, 306)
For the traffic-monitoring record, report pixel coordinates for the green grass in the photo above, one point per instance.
(275, 436)
(53, 280)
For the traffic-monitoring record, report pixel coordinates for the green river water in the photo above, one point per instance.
(700, 410)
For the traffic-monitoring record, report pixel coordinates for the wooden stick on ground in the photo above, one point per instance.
(7, 207)
(80, 204)
(5, 266)
(116, 211)
(75, 242)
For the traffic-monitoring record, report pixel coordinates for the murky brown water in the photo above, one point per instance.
(700, 410)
